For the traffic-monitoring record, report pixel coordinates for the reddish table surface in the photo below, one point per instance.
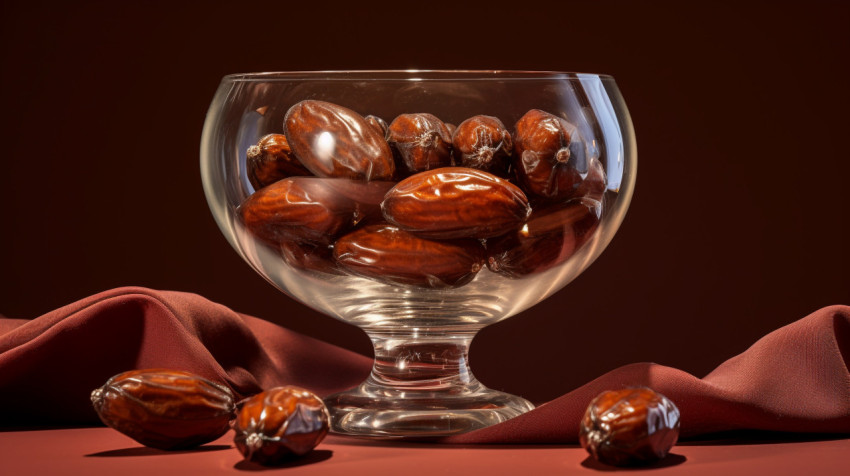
(95, 451)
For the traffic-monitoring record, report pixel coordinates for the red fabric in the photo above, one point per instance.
(794, 379)
(50, 365)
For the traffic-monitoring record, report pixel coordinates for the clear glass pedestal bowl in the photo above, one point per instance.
(419, 206)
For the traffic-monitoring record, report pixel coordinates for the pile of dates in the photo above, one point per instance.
(420, 202)
(172, 409)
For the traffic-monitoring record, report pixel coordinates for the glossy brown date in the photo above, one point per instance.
(627, 427)
(544, 150)
(388, 254)
(279, 424)
(309, 208)
(164, 409)
(334, 141)
(455, 202)
(271, 160)
(549, 237)
(483, 142)
(422, 140)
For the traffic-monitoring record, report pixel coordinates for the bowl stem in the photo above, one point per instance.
(421, 386)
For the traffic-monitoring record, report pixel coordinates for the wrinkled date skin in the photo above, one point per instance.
(165, 409)
(334, 141)
(388, 254)
(546, 149)
(629, 427)
(456, 202)
(280, 424)
(379, 125)
(422, 140)
(550, 236)
(272, 160)
(483, 142)
(309, 208)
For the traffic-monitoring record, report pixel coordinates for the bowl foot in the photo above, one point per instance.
(375, 411)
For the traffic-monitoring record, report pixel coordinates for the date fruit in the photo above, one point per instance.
(550, 236)
(546, 152)
(334, 141)
(386, 253)
(422, 140)
(483, 142)
(271, 160)
(456, 202)
(629, 427)
(299, 209)
(279, 424)
(165, 409)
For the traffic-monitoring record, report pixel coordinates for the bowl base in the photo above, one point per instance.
(378, 412)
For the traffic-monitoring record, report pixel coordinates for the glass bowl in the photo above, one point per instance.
(419, 206)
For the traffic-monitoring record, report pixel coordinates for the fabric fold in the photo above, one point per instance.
(50, 365)
(795, 379)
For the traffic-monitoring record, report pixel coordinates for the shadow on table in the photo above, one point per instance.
(759, 437)
(315, 456)
(145, 451)
(671, 459)
(434, 443)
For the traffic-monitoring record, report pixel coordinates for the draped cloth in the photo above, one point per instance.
(794, 379)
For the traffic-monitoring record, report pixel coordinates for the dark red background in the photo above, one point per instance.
(739, 222)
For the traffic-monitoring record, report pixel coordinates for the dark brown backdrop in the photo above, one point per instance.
(739, 223)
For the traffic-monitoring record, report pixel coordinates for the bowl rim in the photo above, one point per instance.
(413, 75)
